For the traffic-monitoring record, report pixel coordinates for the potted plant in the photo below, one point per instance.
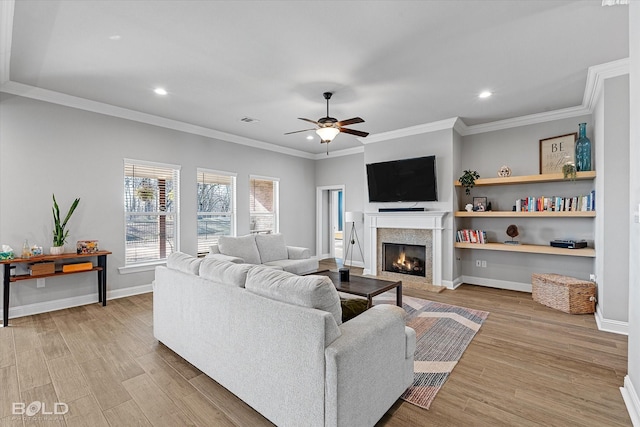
(569, 171)
(59, 233)
(468, 180)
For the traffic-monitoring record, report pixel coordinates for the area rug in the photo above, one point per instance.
(443, 333)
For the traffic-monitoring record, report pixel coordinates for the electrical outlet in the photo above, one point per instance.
(40, 283)
(478, 263)
(484, 264)
(592, 277)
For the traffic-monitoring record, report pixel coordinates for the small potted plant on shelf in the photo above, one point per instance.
(59, 233)
(468, 180)
(569, 171)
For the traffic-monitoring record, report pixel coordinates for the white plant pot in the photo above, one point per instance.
(56, 250)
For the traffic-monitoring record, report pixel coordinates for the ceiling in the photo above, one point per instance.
(396, 64)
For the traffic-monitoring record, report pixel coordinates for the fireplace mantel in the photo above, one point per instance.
(427, 220)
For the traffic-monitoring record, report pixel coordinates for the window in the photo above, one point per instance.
(216, 207)
(263, 205)
(150, 211)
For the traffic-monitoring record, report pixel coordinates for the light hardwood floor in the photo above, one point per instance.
(529, 365)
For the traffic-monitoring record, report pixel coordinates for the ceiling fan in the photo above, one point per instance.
(328, 127)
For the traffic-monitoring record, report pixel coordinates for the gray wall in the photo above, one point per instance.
(519, 149)
(347, 171)
(612, 201)
(634, 196)
(47, 148)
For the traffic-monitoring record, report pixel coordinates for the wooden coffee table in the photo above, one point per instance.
(367, 287)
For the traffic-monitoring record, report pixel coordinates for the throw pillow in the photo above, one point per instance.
(242, 247)
(351, 307)
(271, 247)
(225, 271)
(306, 291)
(183, 262)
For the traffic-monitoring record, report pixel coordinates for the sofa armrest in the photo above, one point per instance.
(368, 367)
(296, 252)
(214, 249)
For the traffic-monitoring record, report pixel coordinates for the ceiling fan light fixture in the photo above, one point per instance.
(327, 133)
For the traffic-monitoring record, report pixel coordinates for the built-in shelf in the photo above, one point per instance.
(530, 179)
(535, 249)
(514, 214)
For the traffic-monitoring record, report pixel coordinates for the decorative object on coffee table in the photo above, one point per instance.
(512, 231)
(59, 233)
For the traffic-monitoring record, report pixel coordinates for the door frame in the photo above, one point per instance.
(320, 231)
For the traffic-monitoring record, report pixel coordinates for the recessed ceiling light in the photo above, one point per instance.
(485, 94)
(115, 37)
(160, 91)
(310, 137)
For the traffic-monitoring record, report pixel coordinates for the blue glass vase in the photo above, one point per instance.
(583, 149)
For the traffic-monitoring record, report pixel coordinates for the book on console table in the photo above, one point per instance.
(81, 266)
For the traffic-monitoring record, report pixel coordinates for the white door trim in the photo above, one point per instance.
(319, 228)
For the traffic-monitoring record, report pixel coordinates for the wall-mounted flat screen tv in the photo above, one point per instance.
(407, 180)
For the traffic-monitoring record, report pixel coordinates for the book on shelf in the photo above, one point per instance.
(471, 236)
(584, 203)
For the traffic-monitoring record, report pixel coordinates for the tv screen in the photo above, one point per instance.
(408, 180)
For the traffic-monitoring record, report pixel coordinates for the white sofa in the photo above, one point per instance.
(265, 249)
(276, 340)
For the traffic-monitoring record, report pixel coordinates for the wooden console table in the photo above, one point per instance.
(10, 264)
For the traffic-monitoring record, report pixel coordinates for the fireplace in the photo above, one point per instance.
(404, 259)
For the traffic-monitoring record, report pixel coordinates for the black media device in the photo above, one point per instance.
(569, 244)
(407, 180)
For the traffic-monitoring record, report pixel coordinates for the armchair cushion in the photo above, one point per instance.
(242, 247)
(183, 262)
(271, 247)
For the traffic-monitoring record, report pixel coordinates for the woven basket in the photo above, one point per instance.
(568, 294)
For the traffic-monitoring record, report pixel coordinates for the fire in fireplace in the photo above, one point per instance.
(404, 259)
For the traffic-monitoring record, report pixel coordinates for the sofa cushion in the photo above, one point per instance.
(242, 247)
(221, 257)
(306, 291)
(271, 247)
(183, 262)
(225, 272)
(296, 266)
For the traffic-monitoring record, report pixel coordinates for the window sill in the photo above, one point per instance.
(141, 267)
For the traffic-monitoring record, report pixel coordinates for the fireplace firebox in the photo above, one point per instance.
(404, 259)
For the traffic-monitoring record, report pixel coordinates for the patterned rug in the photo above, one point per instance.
(443, 333)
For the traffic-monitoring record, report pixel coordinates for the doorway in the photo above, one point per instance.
(330, 201)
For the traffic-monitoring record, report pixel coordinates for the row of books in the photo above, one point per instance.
(557, 204)
(471, 236)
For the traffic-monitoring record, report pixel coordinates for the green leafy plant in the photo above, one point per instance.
(59, 233)
(569, 171)
(468, 180)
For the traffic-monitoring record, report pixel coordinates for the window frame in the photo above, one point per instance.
(144, 265)
(233, 214)
(276, 202)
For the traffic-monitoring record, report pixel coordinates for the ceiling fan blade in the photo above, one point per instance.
(298, 131)
(354, 132)
(350, 121)
(309, 120)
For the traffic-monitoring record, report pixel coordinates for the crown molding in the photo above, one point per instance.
(596, 76)
(6, 33)
(413, 130)
(339, 153)
(124, 113)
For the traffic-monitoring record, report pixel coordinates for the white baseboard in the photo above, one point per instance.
(355, 264)
(452, 284)
(631, 400)
(608, 325)
(493, 283)
(59, 304)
